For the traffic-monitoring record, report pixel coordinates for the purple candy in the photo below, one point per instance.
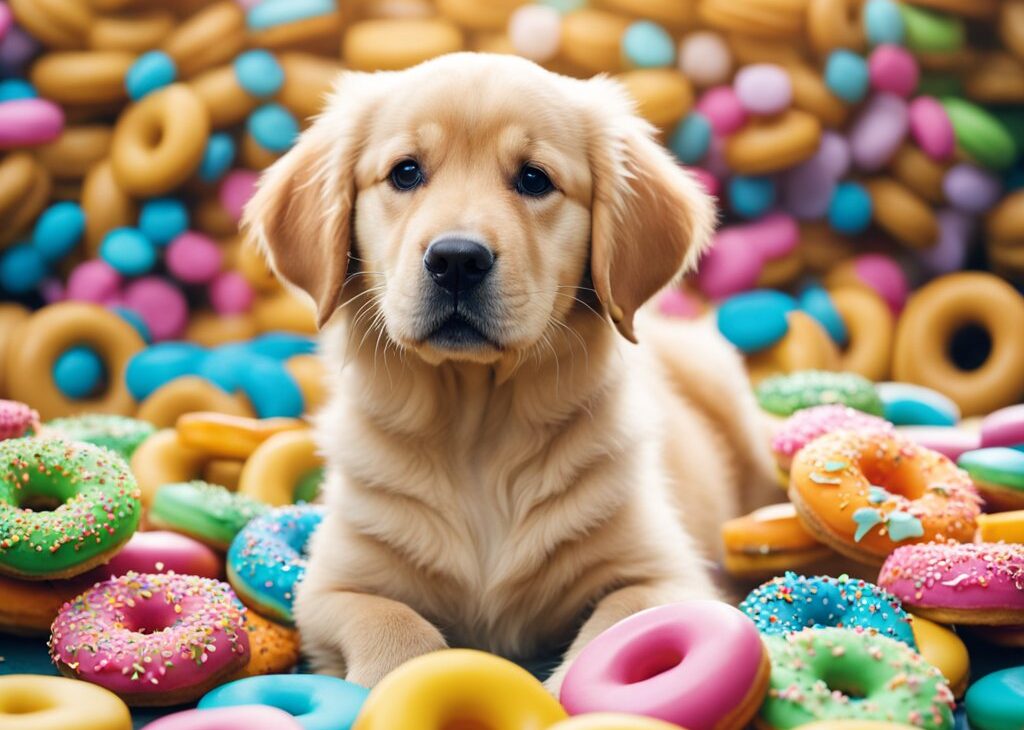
(17, 48)
(878, 131)
(763, 88)
(808, 187)
(971, 189)
(950, 252)
(834, 154)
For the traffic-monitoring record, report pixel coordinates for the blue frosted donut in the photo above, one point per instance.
(796, 602)
(267, 559)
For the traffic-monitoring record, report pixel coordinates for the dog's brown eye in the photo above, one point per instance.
(533, 181)
(406, 175)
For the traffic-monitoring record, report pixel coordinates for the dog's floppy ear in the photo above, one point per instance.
(301, 215)
(651, 220)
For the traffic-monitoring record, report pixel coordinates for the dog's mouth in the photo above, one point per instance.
(458, 333)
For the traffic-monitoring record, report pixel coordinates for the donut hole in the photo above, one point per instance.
(652, 664)
(902, 478)
(969, 346)
(150, 616)
(462, 724)
(840, 681)
(40, 502)
(25, 703)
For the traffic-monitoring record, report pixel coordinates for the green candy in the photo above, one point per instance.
(64, 507)
(784, 395)
(980, 134)
(878, 679)
(928, 32)
(118, 433)
(207, 512)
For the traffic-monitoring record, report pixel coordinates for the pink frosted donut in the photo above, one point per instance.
(949, 441)
(26, 122)
(154, 640)
(242, 717)
(16, 419)
(808, 424)
(699, 664)
(1004, 427)
(162, 552)
(963, 583)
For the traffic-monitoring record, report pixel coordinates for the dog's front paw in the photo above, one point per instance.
(376, 662)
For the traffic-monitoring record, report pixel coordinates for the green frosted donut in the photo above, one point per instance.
(847, 674)
(207, 512)
(784, 395)
(119, 433)
(65, 507)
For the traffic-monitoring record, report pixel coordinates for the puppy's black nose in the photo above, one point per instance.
(457, 264)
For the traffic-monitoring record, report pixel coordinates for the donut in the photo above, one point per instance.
(699, 664)
(162, 459)
(770, 144)
(863, 492)
(120, 434)
(273, 648)
(767, 540)
(914, 405)
(998, 473)
(157, 551)
(30, 606)
(790, 603)
(806, 346)
(1004, 427)
(944, 650)
(808, 424)
(267, 559)
(784, 395)
(996, 702)
(64, 507)
(205, 512)
(252, 717)
(277, 467)
(1003, 526)
(933, 316)
(154, 640)
(317, 702)
(847, 674)
(165, 405)
(976, 584)
(226, 436)
(612, 721)
(16, 419)
(871, 328)
(36, 702)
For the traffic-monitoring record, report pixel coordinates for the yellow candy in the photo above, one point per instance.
(943, 649)
(391, 45)
(459, 688)
(1005, 526)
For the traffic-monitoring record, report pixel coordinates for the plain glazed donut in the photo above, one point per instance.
(53, 330)
(106, 204)
(187, 394)
(224, 98)
(230, 437)
(163, 459)
(36, 702)
(211, 37)
(75, 151)
(833, 24)
(278, 465)
(12, 317)
(769, 144)
(901, 213)
(392, 45)
(806, 346)
(935, 312)
(699, 664)
(30, 606)
(871, 330)
(83, 77)
(137, 32)
(61, 24)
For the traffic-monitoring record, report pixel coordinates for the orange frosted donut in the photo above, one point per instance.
(865, 493)
(768, 540)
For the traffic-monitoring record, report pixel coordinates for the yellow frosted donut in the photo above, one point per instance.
(277, 466)
(919, 172)
(39, 702)
(944, 650)
(230, 437)
(767, 144)
(106, 204)
(902, 214)
(51, 331)
(82, 77)
(190, 393)
(663, 96)
(833, 24)
(75, 151)
(806, 346)
(592, 40)
(211, 37)
(391, 45)
(871, 329)
(163, 459)
(476, 16)
(459, 688)
(137, 32)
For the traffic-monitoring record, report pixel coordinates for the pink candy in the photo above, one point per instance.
(25, 122)
(16, 418)
(931, 128)
(893, 69)
(678, 303)
(161, 305)
(1005, 427)
(93, 281)
(723, 109)
(886, 277)
(710, 183)
(740, 252)
(236, 189)
(763, 88)
(949, 441)
(193, 258)
(6, 19)
(230, 293)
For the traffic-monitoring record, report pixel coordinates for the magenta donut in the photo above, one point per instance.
(964, 583)
(162, 552)
(808, 424)
(699, 664)
(16, 419)
(243, 717)
(153, 640)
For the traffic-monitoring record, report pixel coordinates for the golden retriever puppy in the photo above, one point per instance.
(507, 469)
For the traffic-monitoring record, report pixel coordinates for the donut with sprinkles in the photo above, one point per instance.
(16, 419)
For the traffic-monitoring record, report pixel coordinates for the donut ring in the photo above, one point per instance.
(73, 154)
(612, 721)
(56, 328)
(17, 176)
(186, 394)
(61, 24)
(135, 33)
(224, 98)
(230, 437)
(106, 204)
(162, 459)
(278, 465)
(778, 19)
(314, 700)
(308, 371)
(30, 606)
(768, 540)
(273, 648)
(119, 434)
(833, 24)
(870, 328)
(83, 77)
(591, 40)
(902, 214)
(931, 317)
(919, 172)
(319, 34)
(33, 701)
(210, 329)
(208, 513)
(178, 121)
(768, 144)
(865, 492)
(1011, 26)
(12, 317)
(944, 650)
(211, 37)
(806, 346)
(28, 207)
(392, 45)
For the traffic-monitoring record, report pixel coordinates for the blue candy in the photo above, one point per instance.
(751, 197)
(816, 302)
(282, 345)
(755, 320)
(271, 13)
(135, 320)
(259, 73)
(12, 89)
(217, 159)
(850, 209)
(906, 404)
(271, 389)
(267, 559)
(161, 220)
(883, 22)
(225, 366)
(647, 45)
(273, 127)
(22, 268)
(691, 139)
(161, 363)
(793, 602)
(128, 251)
(317, 701)
(846, 75)
(58, 230)
(78, 372)
(151, 71)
